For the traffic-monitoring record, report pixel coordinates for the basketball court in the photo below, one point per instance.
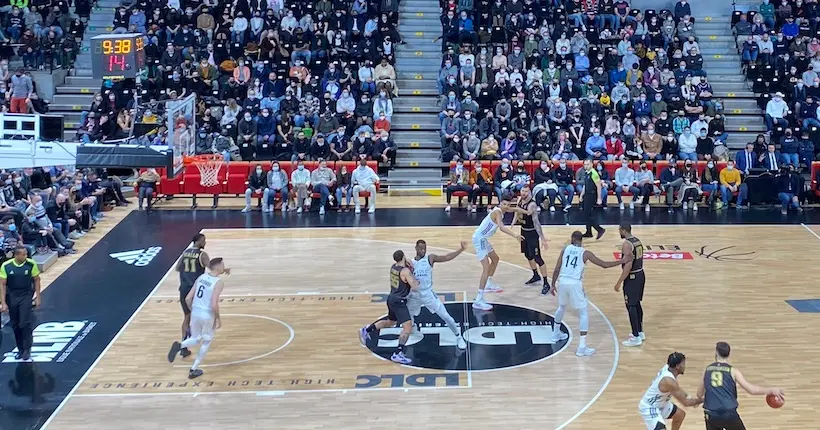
(288, 354)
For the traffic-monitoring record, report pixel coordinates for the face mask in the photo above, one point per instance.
(563, 165)
(596, 134)
(600, 167)
(625, 164)
(247, 117)
(478, 169)
(730, 167)
(18, 180)
(382, 94)
(301, 167)
(12, 227)
(8, 181)
(275, 168)
(459, 166)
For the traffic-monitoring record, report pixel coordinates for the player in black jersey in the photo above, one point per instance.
(402, 282)
(533, 240)
(633, 281)
(719, 392)
(191, 266)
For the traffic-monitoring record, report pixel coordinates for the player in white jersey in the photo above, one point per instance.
(656, 406)
(203, 300)
(567, 282)
(484, 251)
(422, 267)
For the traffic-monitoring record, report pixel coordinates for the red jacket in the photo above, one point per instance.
(614, 147)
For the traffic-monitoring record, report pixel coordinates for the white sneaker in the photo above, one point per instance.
(621, 206)
(358, 210)
(322, 210)
(538, 208)
(482, 305)
(685, 206)
(558, 337)
(284, 207)
(473, 209)
(246, 209)
(447, 209)
(631, 205)
(642, 336)
(270, 208)
(372, 210)
(646, 209)
(632, 341)
(584, 352)
(695, 207)
(299, 210)
(552, 208)
(462, 344)
(493, 288)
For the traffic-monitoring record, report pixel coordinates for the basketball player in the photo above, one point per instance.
(425, 296)
(567, 280)
(533, 239)
(633, 280)
(203, 300)
(402, 282)
(485, 252)
(719, 392)
(656, 406)
(190, 267)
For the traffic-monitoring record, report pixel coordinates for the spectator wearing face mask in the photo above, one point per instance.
(790, 148)
(690, 191)
(776, 111)
(596, 146)
(730, 183)
(563, 178)
(671, 181)
(687, 145)
(789, 186)
(276, 181)
(651, 144)
(644, 180)
(624, 182)
(364, 179)
(459, 181)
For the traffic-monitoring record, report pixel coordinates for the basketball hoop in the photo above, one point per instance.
(209, 166)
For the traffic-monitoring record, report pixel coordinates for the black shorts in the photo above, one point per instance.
(633, 288)
(723, 421)
(531, 244)
(397, 310)
(183, 293)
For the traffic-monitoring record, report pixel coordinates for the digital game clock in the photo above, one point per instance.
(117, 56)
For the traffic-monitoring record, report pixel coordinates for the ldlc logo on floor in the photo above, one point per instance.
(508, 336)
(55, 341)
(661, 252)
(137, 257)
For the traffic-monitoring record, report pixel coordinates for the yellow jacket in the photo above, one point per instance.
(728, 177)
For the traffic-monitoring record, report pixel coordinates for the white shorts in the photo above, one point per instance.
(426, 298)
(654, 416)
(571, 293)
(202, 326)
(482, 247)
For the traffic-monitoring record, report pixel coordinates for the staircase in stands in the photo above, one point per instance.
(76, 94)
(415, 123)
(722, 65)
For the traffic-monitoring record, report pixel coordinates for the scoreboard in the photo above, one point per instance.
(117, 56)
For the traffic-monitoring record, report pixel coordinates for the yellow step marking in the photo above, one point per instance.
(415, 126)
(712, 37)
(85, 90)
(416, 109)
(730, 94)
(416, 92)
(743, 129)
(737, 111)
(707, 19)
(718, 56)
(419, 14)
(414, 164)
(415, 145)
(419, 77)
(419, 53)
(76, 107)
(419, 33)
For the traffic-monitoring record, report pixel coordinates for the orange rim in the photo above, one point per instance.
(203, 158)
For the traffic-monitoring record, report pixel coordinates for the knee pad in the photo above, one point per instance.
(583, 316)
(538, 260)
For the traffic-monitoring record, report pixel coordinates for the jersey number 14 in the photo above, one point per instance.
(571, 262)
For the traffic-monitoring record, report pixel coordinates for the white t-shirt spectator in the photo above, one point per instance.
(364, 176)
(777, 108)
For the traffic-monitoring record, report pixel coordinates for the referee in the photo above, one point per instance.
(591, 197)
(19, 281)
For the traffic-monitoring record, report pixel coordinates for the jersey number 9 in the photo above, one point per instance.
(717, 379)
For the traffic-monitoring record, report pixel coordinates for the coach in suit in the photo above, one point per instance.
(746, 159)
(771, 159)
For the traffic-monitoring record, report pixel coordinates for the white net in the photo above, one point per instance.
(209, 171)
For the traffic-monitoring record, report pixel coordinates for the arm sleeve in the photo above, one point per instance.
(3, 274)
(35, 270)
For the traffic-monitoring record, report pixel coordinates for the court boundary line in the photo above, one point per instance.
(231, 363)
(71, 394)
(277, 392)
(810, 230)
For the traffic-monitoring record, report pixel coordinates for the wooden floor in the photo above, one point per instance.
(288, 356)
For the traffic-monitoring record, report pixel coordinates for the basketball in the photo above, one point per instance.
(775, 401)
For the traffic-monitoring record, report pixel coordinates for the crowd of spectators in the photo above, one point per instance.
(574, 80)
(45, 34)
(283, 81)
(49, 209)
(780, 50)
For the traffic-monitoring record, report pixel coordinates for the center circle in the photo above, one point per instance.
(508, 336)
